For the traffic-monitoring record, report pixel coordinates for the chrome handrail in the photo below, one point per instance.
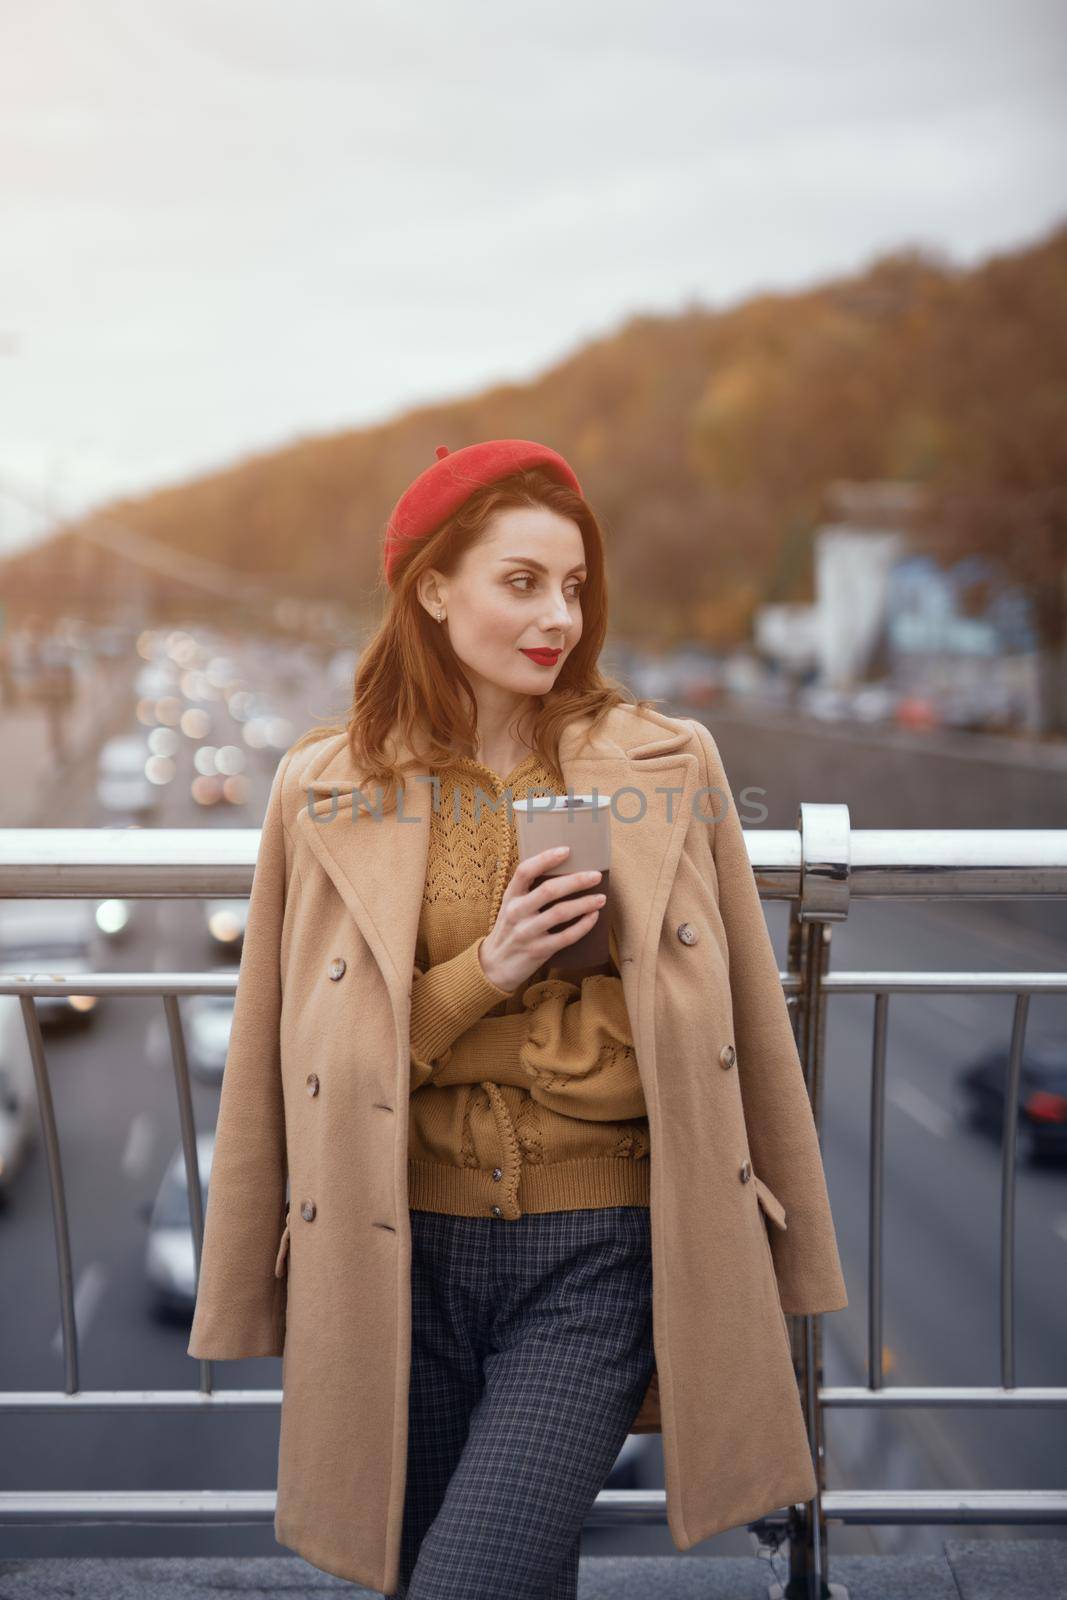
(819, 868)
(870, 863)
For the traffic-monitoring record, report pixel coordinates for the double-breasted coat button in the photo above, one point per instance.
(497, 1174)
(727, 1056)
(307, 1210)
(496, 1211)
(746, 1171)
(312, 1082)
(337, 967)
(687, 933)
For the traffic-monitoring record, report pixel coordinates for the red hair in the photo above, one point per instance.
(409, 678)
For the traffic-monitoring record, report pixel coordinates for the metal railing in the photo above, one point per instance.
(819, 868)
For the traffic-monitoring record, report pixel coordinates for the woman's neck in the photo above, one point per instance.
(502, 749)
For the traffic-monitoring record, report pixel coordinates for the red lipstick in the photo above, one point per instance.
(544, 658)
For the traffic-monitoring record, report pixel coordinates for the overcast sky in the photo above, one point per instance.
(226, 226)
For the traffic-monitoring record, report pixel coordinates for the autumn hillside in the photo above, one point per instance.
(705, 440)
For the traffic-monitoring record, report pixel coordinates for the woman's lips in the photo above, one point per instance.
(544, 658)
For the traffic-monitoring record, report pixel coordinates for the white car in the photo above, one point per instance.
(170, 1261)
(208, 1019)
(52, 937)
(122, 782)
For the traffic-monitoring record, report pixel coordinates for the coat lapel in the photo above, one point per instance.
(378, 865)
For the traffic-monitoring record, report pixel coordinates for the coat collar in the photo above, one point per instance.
(378, 865)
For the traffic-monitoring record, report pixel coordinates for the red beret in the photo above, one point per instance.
(439, 491)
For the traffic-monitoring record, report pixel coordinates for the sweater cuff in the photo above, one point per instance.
(488, 1052)
(448, 999)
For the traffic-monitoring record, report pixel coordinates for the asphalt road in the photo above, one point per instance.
(116, 1108)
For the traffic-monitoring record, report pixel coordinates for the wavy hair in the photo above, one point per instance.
(408, 677)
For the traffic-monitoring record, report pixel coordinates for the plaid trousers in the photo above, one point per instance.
(531, 1353)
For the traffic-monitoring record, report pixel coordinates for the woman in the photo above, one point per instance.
(521, 1205)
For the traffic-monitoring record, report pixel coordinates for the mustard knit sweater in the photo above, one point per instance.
(528, 1101)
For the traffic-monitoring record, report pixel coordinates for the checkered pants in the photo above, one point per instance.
(531, 1353)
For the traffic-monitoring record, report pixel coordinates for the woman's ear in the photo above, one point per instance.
(430, 594)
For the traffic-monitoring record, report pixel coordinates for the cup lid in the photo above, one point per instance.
(556, 803)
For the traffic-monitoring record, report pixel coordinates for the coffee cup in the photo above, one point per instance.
(582, 821)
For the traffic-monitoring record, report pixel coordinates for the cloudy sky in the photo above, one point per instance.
(226, 226)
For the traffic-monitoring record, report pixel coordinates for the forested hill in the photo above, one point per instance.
(705, 439)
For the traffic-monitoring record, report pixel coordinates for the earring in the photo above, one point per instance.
(440, 614)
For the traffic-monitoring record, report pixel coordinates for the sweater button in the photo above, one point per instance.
(307, 1210)
(497, 1174)
(312, 1082)
(687, 933)
(727, 1056)
(337, 967)
(496, 1211)
(746, 1171)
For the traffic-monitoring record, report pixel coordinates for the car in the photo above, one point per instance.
(825, 703)
(653, 677)
(170, 1260)
(52, 937)
(873, 702)
(697, 676)
(1042, 1128)
(636, 1465)
(206, 1023)
(207, 1020)
(917, 713)
(123, 787)
(18, 1094)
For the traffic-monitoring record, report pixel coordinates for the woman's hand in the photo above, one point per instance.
(522, 939)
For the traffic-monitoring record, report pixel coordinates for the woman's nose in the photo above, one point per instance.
(559, 616)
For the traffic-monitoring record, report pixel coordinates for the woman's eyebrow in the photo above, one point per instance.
(528, 561)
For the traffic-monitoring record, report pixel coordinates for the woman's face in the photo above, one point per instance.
(518, 589)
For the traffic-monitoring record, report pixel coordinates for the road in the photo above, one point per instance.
(117, 1116)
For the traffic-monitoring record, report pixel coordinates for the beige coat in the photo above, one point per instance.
(316, 1090)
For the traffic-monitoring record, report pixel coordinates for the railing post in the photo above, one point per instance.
(56, 1189)
(823, 900)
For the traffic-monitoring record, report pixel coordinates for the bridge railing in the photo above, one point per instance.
(819, 868)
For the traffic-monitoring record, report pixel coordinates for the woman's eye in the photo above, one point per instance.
(575, 591)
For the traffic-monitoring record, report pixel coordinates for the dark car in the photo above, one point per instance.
(1042, 1098)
